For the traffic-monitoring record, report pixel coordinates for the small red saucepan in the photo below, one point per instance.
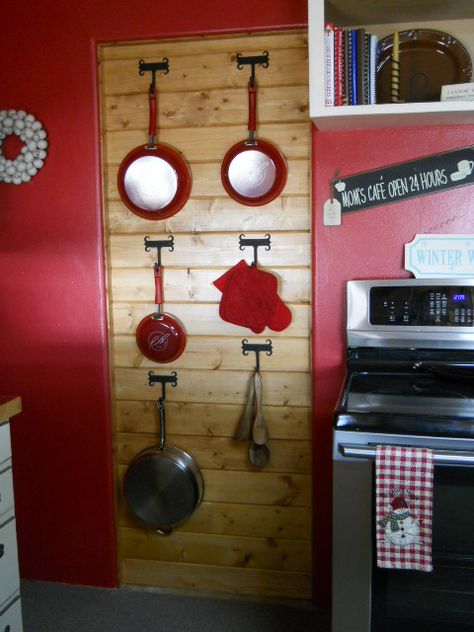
(154, 181)
(253, 171)
(160, 336)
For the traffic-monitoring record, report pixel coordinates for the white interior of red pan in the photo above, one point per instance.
(151, 183)
(252, 173)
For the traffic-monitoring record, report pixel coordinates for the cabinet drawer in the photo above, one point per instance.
(10, 618)
(5, 444)
(6, 492)
(9, 576)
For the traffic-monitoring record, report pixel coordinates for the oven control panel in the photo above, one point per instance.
(422, 305)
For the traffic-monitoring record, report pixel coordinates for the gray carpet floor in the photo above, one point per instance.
(50, 607)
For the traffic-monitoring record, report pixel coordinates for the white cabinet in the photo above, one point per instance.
(10, 617)
(6, 489)
(9, 576)
(10, 604)
(382, 18)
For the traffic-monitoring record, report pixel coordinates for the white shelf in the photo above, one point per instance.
(455, 17)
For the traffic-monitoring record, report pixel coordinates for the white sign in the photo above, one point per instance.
(431, 256)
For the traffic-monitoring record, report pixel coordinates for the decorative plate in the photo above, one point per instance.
(429, 59)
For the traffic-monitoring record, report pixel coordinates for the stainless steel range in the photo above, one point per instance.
(410, 382)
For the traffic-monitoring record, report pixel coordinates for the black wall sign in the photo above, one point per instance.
(405, 180)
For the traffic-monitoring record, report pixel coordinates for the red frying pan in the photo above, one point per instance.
(253, 171)
(154, 181)
(160, 336)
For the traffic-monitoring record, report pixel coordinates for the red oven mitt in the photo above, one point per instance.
(250, 299)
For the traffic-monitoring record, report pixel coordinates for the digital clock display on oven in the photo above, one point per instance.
(422, 306)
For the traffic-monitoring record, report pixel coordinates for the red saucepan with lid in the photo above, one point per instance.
(160, 336)
(253, 171)
(154, 181)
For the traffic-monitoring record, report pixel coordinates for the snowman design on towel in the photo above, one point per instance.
(401, 528)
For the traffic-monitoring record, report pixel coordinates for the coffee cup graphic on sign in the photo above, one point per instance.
(465, 168)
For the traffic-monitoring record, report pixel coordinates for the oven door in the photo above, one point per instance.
(370, 599)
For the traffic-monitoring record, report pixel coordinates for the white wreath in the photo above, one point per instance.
(33, 153)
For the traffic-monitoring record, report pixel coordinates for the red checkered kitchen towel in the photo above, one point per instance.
(404, 507)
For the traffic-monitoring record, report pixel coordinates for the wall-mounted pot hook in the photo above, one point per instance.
(153, 67)
(163, 380)
(159, 244)
(258, 348)
(255, 243)
(256, 60)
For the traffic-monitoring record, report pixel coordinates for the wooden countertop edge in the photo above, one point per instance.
(9, 406)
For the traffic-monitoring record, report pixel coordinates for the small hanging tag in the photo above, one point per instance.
(332, 212)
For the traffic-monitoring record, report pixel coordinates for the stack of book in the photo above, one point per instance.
(350, 62)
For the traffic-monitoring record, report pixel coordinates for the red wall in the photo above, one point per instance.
(53, 341)
(368, 245)
(53, 323)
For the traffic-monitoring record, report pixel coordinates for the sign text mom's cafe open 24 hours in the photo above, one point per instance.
(402, 181)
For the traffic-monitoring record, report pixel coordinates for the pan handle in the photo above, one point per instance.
(161, 410)
(152, 121)
(158, 287)
(252, 89)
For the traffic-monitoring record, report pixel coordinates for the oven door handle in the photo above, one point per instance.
(440, 457)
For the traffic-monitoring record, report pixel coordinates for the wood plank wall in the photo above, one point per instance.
(252, 533)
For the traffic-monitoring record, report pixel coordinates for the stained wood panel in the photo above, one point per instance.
(207, 107)
(238, 551)
(211, 420)
(222, 453)
(204, 250)
(196, 284)
(294, 136)
(207, 182)
(210, 215)
(204, 69)
(278, 489)
(209, 578)
(251, 43)
(290, 523)
(252, 533)
(220, 387)
(202, 319)
(206, 352)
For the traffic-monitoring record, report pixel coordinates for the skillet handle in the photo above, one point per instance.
(161, 411)
(152, 122)
(252, 106)
(158, 285)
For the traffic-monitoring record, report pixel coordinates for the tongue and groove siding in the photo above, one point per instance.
(252, 533)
